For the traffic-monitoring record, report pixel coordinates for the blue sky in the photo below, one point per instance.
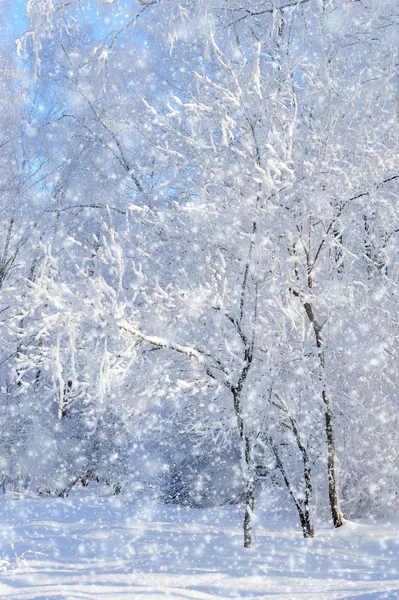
(13, 12)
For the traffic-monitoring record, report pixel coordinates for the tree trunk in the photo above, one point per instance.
(249, 511)
(303, 508)
(307, 525)
(331, 466)
(331, 469)
(84, 479)
(248, 468)
(249, 495)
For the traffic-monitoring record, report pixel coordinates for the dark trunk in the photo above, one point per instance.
(303, 507)
(249, 511)
(331, 466)
(84, 479)
(331, 469)
(248, 469)
(309, 530)
(249, 495)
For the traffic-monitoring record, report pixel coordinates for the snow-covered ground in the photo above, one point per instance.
(86, 548)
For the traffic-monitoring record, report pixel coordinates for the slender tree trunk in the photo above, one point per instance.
(84, 479)
(249, 512)
(331, 469)
(307, 526)
(249, 495)
(308, 529)
(248, 469)
(303, 508)
(331, 460)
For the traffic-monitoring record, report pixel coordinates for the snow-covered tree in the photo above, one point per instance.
(218, 257)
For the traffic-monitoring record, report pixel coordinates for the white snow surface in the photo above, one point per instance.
(86, 548)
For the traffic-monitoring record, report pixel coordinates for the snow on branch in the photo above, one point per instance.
(161, 342)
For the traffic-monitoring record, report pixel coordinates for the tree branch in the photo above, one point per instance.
(335, 219)
(162, 342)
(250, 13)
